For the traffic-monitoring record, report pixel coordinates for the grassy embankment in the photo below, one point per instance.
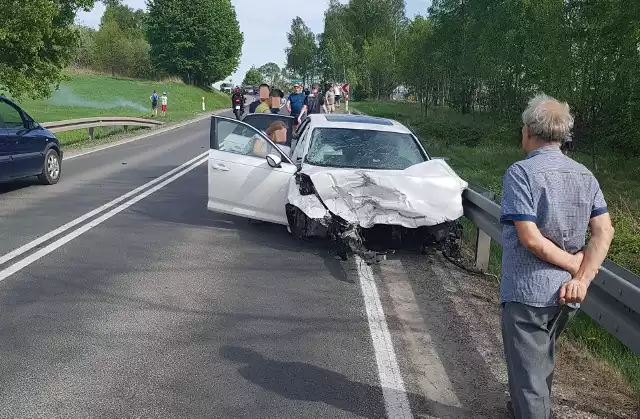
(482, 148)
(89, 95)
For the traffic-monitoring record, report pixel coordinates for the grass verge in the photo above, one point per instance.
(481, 148)
(91, 95)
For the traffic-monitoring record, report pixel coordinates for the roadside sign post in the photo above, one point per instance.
(202, 103)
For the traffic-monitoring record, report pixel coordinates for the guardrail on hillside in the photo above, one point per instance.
(613, 300)
(104, 121)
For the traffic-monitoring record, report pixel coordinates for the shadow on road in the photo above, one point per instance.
(16, 185)
(306, 382)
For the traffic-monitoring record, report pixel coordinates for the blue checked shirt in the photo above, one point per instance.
(560, 196)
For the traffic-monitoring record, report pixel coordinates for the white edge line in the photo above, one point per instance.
(5, 273)
(25, 248)
(393, 390)
(143, 136)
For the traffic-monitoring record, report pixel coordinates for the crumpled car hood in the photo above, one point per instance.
(424, 194)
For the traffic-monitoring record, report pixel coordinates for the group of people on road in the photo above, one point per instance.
(299, 103)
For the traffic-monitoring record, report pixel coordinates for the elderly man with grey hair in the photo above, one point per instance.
(549, 202)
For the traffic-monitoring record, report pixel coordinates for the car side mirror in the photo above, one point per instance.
(274, 160)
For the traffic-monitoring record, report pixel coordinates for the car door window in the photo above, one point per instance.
(10, 117)
(298, 135)
(262, 121)
(301, 128)
(235, 137)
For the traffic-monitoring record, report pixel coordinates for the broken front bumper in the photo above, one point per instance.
(351, 238)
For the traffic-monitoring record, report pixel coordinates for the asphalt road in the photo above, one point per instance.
(153, 306)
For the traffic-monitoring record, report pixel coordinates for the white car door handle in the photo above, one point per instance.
(220, 167)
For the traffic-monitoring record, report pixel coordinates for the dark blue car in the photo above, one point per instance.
(26, 149)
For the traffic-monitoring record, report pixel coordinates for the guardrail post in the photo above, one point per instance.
(91, 133)
(483, 245)
(483, 251)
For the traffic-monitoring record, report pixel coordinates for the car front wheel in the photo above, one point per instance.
(52, 168)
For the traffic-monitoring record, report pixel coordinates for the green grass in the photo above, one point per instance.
(89, 95)
(481, 148)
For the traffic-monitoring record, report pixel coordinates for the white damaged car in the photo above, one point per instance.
(365, 183)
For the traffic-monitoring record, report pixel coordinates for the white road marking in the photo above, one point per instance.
(19, 251)
(5, 273)
(393, 390)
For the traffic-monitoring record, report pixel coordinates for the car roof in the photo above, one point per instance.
(357, 122)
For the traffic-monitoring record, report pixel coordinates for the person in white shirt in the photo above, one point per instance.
(163, 101)
(338, 92)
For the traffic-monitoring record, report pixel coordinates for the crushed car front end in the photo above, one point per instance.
(373, 212)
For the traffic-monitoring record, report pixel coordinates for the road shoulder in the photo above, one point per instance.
(460, 313)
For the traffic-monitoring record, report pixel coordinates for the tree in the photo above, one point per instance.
(128, 19)
(84, 56)
(270, 72)
(38, 40)
(378, 58)
(416, 66)
(120, 45)
(200, 40)
(301, 53)
(110, 48)
(252, 78)
(336, 45)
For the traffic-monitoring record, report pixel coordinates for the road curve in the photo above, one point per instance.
(152, 306)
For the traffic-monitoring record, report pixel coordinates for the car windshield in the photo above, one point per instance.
(363, 149)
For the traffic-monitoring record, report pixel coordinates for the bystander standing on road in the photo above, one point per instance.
(296, 101)
(330, 99)
(275, 100)
(263, 105)
(313, 103)
(549, 202)
(345, 92)
(337, 90)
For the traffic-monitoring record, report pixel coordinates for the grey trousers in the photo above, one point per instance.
(529, 335)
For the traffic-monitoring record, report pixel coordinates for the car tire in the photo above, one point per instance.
(52, 168)
(297, 221)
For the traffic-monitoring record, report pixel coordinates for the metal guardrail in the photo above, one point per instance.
(613, 300)
(91, 123)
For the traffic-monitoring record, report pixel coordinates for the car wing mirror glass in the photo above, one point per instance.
(274, 160)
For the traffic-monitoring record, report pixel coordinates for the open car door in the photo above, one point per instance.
(248, 175)
(262, 121)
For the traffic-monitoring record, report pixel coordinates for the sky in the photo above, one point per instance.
(262, 46)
